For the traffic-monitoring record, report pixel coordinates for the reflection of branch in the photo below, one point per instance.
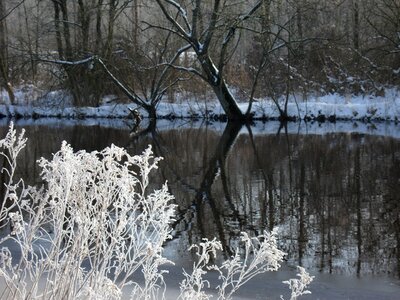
(268, 180)
(226, 142)
(133, 136)
(181, 213)
(203, 193)
(228, 198)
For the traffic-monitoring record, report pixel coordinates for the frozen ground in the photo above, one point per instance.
(32, 102)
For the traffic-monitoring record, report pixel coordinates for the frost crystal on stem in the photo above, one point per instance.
(298, 286)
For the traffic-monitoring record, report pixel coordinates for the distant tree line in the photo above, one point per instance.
(143, 50)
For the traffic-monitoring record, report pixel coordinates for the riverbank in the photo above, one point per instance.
(31, 103)
(389, 129)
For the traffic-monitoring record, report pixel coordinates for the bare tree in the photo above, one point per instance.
(211, 33)
(383, 17)
(274, 50)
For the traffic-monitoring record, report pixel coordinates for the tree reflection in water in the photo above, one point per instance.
(335, 197)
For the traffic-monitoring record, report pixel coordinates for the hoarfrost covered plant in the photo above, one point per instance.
(192, 287)
(12, 145)
(88, 230)
(298, 285)
(261, 254)
(94, 228)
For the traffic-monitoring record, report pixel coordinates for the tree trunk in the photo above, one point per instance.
(29, 42)
(68, 53)
(227, 101)
(110, 29)
(98, 26)
(4, 55)
(151, 110)
(7, 85)
(220, 88)
(356, 25)
(135, 25)
(299, 21)
(67, 34)
(84, 20)
(57, 29)
(266, 25)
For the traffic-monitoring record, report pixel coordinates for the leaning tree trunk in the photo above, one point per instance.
(227, 101)
(220, 88)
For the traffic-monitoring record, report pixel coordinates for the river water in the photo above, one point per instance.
(334, 195)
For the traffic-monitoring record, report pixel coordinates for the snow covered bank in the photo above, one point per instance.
(339, 107)
(105, 111)
(332, 106)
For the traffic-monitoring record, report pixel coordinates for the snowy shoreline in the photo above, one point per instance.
(373, 115)
(381, 129)
(33, 103)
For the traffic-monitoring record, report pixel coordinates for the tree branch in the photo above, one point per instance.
(182, 31)
(11, 10)
(130, 94)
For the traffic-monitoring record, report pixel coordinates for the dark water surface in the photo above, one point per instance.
(334, 196)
